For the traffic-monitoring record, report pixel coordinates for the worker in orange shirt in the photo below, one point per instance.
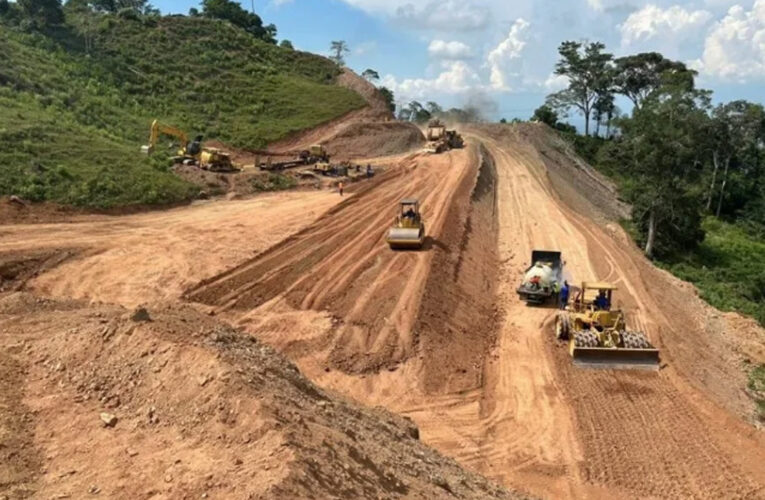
(340, 188)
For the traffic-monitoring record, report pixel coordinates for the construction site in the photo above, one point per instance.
(392, 342)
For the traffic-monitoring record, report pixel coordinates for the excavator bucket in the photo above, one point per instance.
(405, 237)
(623, 358)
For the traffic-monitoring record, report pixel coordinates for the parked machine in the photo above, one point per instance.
(190, 152)
(409, 230)
(542, 279)
(597, 332)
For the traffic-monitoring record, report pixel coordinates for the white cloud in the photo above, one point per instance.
(668, 26)
(505, 60)
(456, 77)
(449, 50)
(735, 47)
(436, 15)
(554, 82)
(444, 15)
(279, 3)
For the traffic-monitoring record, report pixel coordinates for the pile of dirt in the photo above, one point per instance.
(164, 401)
(375, 139)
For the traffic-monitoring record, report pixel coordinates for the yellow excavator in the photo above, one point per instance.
(190, 152)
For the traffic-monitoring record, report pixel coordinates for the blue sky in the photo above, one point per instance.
(500, 53)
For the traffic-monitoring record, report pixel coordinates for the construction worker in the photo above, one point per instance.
(601, 301)
(563, 295)
(340, 188)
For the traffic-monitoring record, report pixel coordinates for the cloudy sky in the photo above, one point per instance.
(501, 53)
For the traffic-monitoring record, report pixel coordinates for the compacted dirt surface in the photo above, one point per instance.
(437, 336)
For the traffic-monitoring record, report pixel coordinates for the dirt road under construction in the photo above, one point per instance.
(439, 335)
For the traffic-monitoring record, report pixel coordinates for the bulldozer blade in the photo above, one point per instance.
(616, 358)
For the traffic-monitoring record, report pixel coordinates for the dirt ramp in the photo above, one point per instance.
(341, 266)
(170, 403)
(458, 320)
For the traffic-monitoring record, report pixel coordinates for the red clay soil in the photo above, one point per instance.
(439, 335)
(364, 133)
(169, 403)
(419, 332)
(341, 265)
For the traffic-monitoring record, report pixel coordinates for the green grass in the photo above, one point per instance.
(728, 268)
(72, 123)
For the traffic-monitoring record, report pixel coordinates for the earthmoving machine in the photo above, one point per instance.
(440, 139)
(409, 230)
(542, 278)
(597, 333)
(314, 154)
(190, 152)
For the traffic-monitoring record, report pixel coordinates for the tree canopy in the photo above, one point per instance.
(233, 12)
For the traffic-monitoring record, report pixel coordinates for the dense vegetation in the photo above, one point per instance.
(693, 172)
(77, 95)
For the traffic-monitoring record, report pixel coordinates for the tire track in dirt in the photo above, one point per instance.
(342, 265)
(639, 434)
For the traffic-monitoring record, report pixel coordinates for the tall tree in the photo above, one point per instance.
(659, 151)
(545, 114)
(637, 76)
(286, 44)
(338, 49)
(736, 142)
(434, 108)
(390, 100)
(234, 13)
(42, 13)
(588, 69)
(371, 75)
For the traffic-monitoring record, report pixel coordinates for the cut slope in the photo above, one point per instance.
(199, 409)
(79, 119)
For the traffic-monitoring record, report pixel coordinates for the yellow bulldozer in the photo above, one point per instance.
(440, 139)
(597, 334)
(409, 229)
(190, 152)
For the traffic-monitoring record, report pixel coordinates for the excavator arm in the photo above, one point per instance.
(158, 128)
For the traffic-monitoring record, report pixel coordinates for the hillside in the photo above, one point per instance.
(73, 119)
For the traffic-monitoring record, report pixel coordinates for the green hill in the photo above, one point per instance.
(72, 120)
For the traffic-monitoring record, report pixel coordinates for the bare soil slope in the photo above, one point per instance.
(364, 133)
(168, 403)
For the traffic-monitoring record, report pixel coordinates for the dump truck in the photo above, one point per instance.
(408, 230)
(440, 139)
(597, 333)
(542, 279)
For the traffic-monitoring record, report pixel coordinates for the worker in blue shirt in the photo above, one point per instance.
(563, 295)
(601, 301)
